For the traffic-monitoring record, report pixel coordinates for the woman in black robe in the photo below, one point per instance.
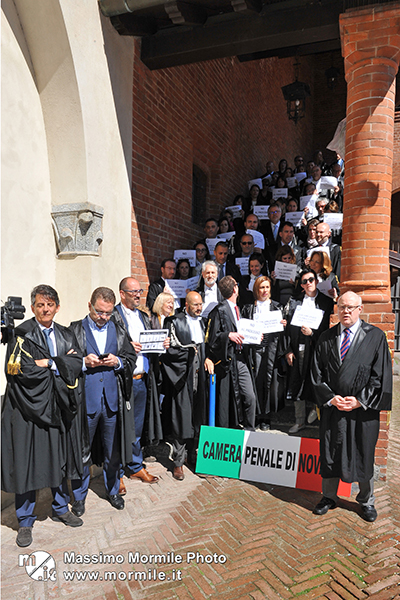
(264, 359)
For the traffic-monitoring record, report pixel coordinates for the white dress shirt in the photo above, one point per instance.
(135, 327)
(195, 329)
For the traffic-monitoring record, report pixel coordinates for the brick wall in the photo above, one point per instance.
(329, 105)
(396, 160)
(226, 117)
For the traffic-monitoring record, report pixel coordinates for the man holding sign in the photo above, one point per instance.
(236, 399)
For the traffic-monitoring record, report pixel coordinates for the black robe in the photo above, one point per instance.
(152, 429)
(348, 439)
(44, 424)
(220, 349)
(183, 412)
(299, 382)
(270, 378)
(126, 421)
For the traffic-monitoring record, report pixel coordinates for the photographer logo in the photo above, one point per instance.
(39, 565)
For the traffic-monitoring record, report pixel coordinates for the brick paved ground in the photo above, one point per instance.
(275, 548)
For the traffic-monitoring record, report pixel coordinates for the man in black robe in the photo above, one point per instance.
(352, 378)
(184, 408)
(236, 396)
(44, 428)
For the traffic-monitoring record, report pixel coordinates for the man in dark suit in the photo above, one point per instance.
(270, 229)
(352, 381)
(235, 385)
(225, 267)
(168, 268)
(184, 368)
(135, 320)
(109, 363)
(44, 429)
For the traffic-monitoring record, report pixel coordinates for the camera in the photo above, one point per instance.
(12, 309)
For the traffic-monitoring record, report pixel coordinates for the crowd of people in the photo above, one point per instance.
(92, 393)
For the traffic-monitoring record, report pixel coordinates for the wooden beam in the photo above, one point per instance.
(325, 46)
(128, 24)
(182, 13)
(234, 35)
(246, 5)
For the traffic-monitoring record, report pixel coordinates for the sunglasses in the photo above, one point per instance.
(309, 280)
(247, 243)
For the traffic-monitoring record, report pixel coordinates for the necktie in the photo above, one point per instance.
(220, 272)
(345, 345)
(237, 312)
(276, 227)
(50, 344)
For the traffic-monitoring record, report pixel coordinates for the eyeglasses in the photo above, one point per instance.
(101, 313)
(247, 243)
(309, 280)
(350, 309)
(134, 292)
(274, 212)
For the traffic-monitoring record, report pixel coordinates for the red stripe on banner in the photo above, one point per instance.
(308, 471)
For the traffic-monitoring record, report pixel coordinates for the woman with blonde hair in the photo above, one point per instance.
(163, 307)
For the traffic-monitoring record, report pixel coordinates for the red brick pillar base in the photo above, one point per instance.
(371, 49)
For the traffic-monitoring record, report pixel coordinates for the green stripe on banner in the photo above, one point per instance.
(220, 451)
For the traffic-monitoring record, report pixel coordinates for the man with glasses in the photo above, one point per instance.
(352, 379)
(135, 320)
(270, 229)
(109, 361)
(301, 343)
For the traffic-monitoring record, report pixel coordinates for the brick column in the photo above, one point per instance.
(371, 50)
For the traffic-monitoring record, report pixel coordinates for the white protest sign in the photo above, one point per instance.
(261, 212)
(255, 182)
(243, 264)
(324, 286)
(300, 176)
(258, 238)
(334, 220)
(250, 330)
(294, 218)
(178, 287)
(189, 254)
(235, 210)
(308, 318)
(152, 340)
(226, 236)
(211, 243)
(308, 201)
(291, 182)
(285, 271)
(279, 193)
(328, 183)
(271, 321)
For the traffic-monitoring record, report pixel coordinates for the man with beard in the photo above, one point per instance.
(184, 408)
(236, 402)
(208, 288)
(44, 429)
(352, 379)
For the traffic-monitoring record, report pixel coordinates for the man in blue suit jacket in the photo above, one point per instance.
(109, 363)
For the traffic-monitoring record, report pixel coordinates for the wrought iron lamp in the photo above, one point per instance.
(295, 95)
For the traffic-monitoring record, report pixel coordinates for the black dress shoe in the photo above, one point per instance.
(265, 426)
(369, 513)
(116, 501)
(24, 537)
(68, 519)
(78, 508)
(323, 506)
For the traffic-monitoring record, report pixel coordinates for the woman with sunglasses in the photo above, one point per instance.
(264, 358)
(300, 344)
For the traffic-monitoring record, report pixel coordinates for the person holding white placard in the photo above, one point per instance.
(168, 268)
(236, 398)
(300, 344)
(321, 264)
(323, 236)
(201, 256)
(257, 268)
(283, 290)
(264, 359)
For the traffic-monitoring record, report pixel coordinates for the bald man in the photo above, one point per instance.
(184, 377)
(135, 319)
(352, 379)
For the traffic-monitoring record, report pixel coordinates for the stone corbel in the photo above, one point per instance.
(77, 229)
